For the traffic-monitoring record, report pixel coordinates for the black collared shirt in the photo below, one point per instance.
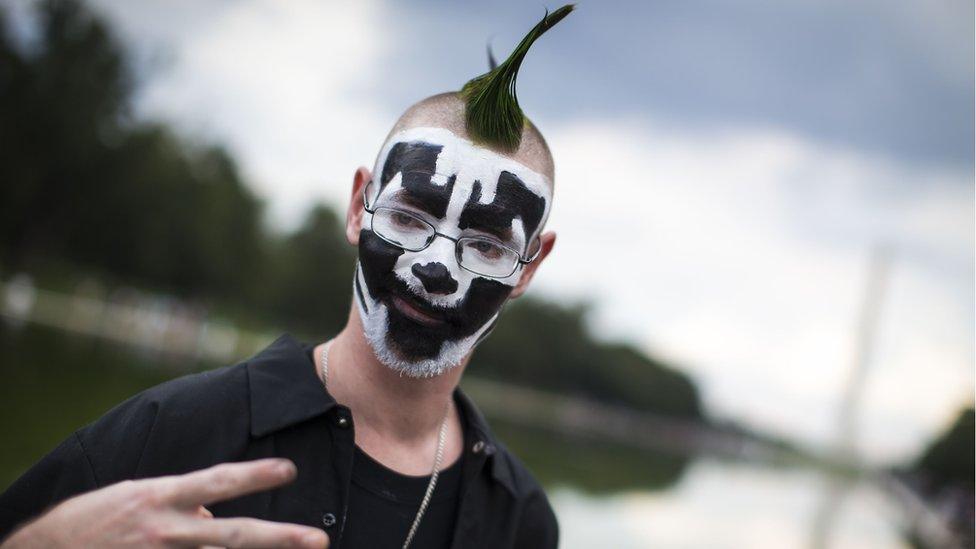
(274, 405)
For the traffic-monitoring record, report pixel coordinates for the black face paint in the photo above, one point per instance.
(413, 340)
(416, 163)
(512, 199)
(435, 277)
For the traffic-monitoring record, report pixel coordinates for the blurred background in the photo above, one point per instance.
(757, 326)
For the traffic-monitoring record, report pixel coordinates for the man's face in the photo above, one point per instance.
(422, 312)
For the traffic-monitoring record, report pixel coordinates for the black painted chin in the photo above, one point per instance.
(412, 340)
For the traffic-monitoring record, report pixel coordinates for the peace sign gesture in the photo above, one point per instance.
(169, 512)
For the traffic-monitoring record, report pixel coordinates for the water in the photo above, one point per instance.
(725, 505)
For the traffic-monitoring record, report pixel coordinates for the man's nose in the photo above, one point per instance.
(435, 277)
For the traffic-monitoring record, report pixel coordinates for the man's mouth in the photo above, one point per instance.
(414, 312)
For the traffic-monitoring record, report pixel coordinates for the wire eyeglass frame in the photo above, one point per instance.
(457, 241)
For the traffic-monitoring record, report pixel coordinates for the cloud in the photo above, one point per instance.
(894, 76)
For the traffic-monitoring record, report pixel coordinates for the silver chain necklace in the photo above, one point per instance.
(437, 458)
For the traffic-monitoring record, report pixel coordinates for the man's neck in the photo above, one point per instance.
(394, 406)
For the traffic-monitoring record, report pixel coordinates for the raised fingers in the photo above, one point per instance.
(226, 481)
(246, 533)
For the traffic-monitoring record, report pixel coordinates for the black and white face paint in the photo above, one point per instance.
(462, 190)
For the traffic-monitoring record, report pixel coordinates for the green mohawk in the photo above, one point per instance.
(492, 112)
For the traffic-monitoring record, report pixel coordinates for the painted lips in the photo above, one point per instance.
(415, 313)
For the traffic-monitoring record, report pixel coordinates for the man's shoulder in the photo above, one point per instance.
(200, 390)
(210, 394)
(197, 395)
(179, 413)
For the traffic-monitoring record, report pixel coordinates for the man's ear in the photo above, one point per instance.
(354, 215)
(547, 240)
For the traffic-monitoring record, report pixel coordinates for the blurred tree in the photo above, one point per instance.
(944, 474)
(175, 219)
(59, 106)
(313, 273)
(546, 345)
(84, 183)
(950, 459)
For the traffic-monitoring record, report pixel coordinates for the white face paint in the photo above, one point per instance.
(462, 190)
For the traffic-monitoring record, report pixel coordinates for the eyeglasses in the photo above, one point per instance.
(479, 255)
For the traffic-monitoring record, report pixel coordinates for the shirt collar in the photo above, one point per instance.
(500, 468)
(286, 390)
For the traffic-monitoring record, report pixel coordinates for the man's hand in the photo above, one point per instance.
(169, 512)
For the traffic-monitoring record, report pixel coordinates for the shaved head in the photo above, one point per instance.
(446, 110)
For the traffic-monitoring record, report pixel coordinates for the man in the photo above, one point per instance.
(387, 450)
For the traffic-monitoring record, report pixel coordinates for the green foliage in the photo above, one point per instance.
(546, 345)
(60, 106)
(493, 115)
(83, 184)
(174, 219)
(950, 458)
(313, 273)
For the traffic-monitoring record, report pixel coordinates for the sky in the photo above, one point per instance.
(724, 170)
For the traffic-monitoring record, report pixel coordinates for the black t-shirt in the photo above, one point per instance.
(384, 503)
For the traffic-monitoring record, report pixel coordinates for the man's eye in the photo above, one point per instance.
(406, 221)
(487, 249)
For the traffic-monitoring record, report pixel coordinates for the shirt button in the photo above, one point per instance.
(342, 421)
(328, 520)
(478, 446)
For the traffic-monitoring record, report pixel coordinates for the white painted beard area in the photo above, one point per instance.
(376, 324)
